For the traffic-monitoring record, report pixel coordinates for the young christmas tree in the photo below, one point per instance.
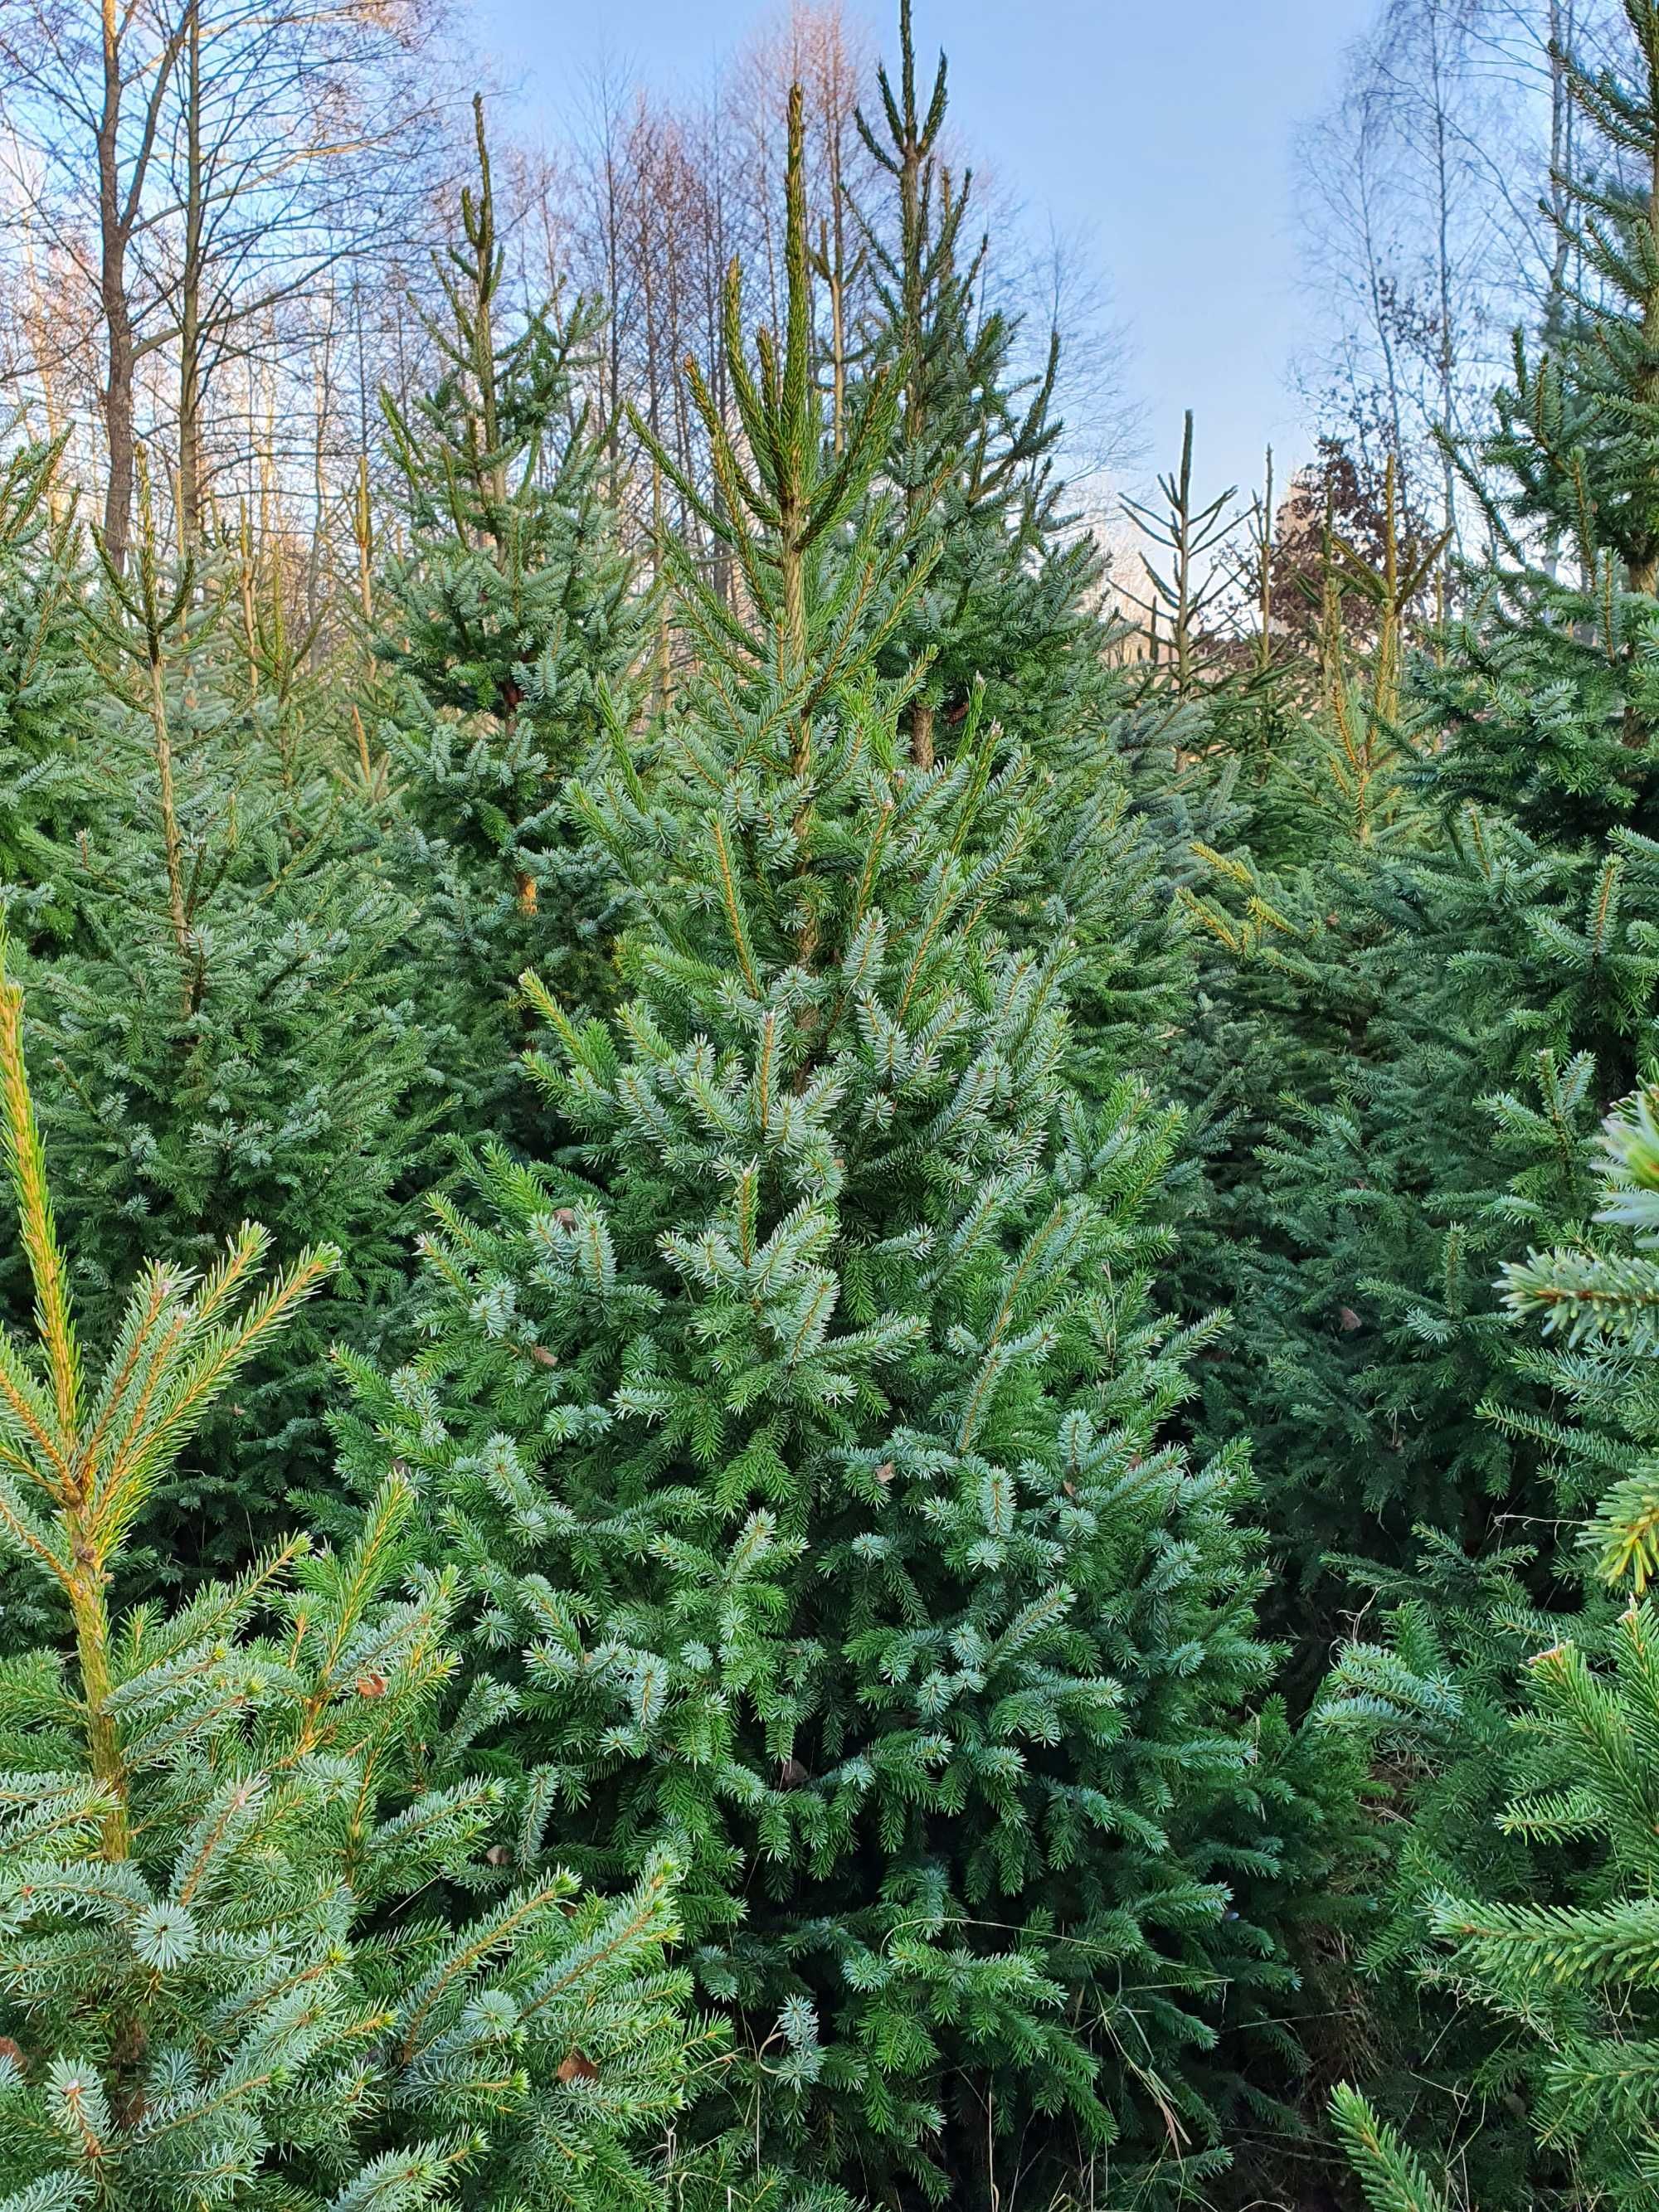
(1522, 1889)
(45, 681)
(222, 1022)
(971, 447)
(1492, 968)
(1287, 1065)
(1007, 621)
(516, 624)
(256, 1946)
(798, 1424)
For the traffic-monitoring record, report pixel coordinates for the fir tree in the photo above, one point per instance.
(1496, 994)
(45, 680)
(516, 626)
(1523, 1887)
(798, 1423)
(222, 1022)
(1006, 622)
(971, 450)
(1494, 965)
(1320, 1182)
(218, 1986)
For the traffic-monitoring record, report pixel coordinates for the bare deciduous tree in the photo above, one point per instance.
(195, 168)
(1421, 197)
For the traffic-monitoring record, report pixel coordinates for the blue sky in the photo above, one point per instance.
(1161, 127)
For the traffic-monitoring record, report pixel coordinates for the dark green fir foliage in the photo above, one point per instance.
(1504, 950)
(1154, 755)
(799, 1424)
(1427, 1691)
(45, 680)
(1519, 955)
(256, 1948)
(1527, 1866)
(1282, 849)
(279, 666)
(513, 629)
(971, 449)
(220, 1024)
(1420, 1094)
(1378, 1336)
(1097, 874)
(1318, 1193)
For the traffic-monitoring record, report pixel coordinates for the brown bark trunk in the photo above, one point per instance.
(1642, 571)
(112, 293)
(190, 314)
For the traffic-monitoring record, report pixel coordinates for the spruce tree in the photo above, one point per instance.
(1008, 623)
(222, 1021)
(1492, 967)
(511, 624)
(798, 1422)
(972, 447)
(1312, 1190)
(254, 1946)
(45, 680)
(1523, 1887)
